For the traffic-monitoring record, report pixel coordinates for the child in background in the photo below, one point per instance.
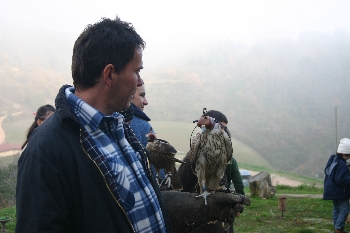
(337, 184)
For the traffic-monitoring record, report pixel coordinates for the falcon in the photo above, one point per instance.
(211, 150)
(163, 157)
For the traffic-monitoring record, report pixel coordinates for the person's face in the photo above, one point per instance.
(346, 156)
(139, 99)
(48, 114)
(225, 125)
(125, 83)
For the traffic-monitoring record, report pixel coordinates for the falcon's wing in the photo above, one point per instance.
(228, 145)
(165, 147)
(195, 147)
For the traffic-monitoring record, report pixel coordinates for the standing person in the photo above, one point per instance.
(41, 115)
(189, 180)
(337, 184)
(85, 171)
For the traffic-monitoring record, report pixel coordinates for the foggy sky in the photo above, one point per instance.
(171, 28)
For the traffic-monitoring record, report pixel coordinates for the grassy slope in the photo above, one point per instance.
(16, 127)
(178, 134)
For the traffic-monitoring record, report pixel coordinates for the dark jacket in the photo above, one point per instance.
(140, 124)
(337, 179)
(234, 176)
(60, 188)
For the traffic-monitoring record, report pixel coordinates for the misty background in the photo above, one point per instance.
(276, 69)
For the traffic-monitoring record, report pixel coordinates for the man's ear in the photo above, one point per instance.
(107, 74)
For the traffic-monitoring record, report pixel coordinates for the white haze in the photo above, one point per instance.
(172, 29)
(277, 68)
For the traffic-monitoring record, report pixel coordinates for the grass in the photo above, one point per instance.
(302, 215)
(9, 213)
(6, 160)
(300, 189)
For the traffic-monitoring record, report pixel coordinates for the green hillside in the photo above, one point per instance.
(178, 134)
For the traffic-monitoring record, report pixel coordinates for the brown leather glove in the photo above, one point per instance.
(186, 211)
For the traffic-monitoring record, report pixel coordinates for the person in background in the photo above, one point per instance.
(41, 115)
(85, 171)
(337, 184)
(140, 121)
(189, 180)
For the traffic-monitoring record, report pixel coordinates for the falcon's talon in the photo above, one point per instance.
(204, 195)
(167, 179)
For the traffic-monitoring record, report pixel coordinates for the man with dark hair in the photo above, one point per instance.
(84, 170)
(96, 47)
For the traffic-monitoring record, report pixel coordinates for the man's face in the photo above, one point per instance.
(139, 99)
(125, 83)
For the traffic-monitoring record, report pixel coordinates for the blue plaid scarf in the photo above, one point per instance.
(122, 165)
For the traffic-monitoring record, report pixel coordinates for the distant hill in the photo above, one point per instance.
(279, 96)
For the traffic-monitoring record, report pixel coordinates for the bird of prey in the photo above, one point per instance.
(211, 150)
(162, 156)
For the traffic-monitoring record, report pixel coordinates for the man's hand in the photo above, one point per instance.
(186, 211)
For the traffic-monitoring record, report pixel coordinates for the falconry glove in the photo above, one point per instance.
(186, 212)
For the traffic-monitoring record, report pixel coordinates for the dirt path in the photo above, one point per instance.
(2, 132)
(276, 179)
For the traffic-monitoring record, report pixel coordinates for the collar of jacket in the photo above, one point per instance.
(64, 112)
(139, 113)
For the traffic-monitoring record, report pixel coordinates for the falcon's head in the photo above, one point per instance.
(150, 137)
(207, 122)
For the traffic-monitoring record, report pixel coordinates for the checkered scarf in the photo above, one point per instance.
(112, 145)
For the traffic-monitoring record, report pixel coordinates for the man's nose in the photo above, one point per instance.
(139, 81)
